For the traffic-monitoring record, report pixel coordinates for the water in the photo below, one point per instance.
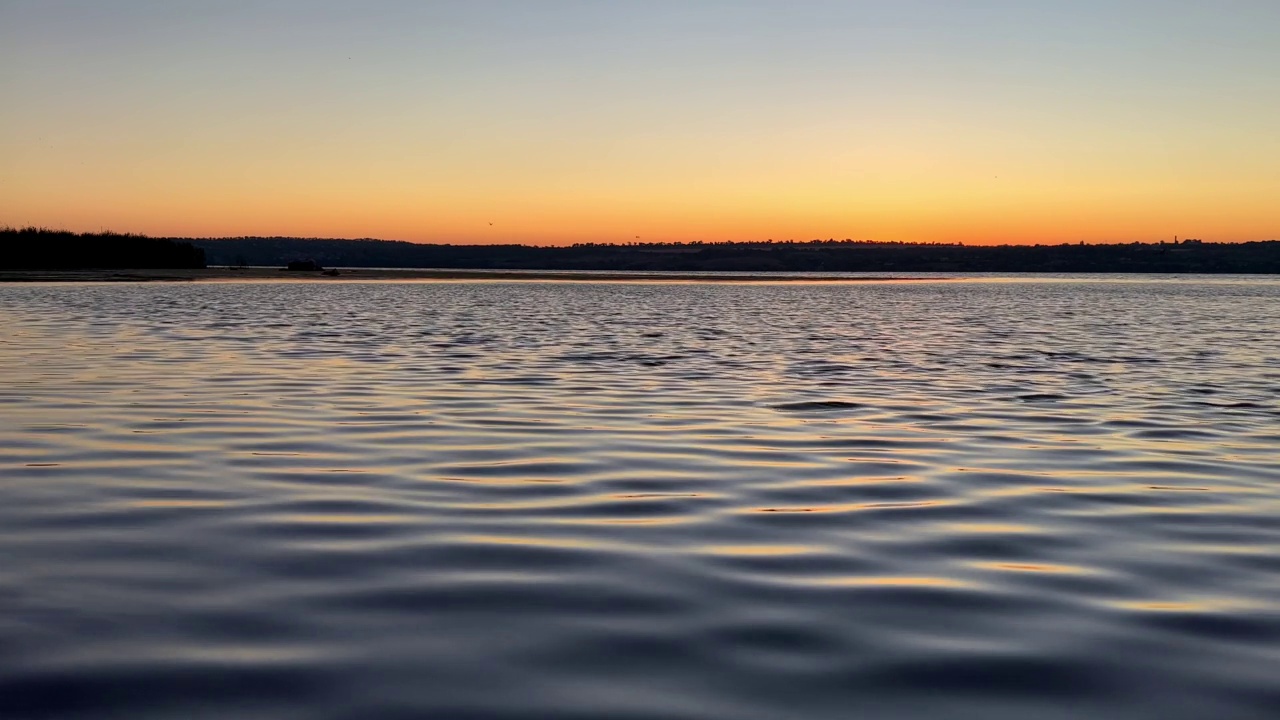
(982, 498)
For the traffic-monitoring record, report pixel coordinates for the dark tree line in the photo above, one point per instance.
(42, 249)
(38, 248)
(815, 256)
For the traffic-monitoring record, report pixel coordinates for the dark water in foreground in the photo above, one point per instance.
(975, 499)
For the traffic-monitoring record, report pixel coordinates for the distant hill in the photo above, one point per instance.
(817, 256)
(42, 249)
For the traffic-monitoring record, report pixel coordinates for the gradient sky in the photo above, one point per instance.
(559, 121)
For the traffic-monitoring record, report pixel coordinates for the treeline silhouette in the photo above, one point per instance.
(766, 243)
(33, 248)
(1188, 256)
(41, 248)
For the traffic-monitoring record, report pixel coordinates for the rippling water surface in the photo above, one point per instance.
(979, 498)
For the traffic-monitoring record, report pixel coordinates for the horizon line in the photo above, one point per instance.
(1176, 239)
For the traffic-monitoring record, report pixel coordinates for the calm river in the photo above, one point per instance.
(974, 498)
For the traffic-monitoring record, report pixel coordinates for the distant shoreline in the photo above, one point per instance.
(366, 274)
(30, 248)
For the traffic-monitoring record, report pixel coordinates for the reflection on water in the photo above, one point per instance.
(984, 499)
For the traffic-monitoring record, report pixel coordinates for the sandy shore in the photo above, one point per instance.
(272, 274)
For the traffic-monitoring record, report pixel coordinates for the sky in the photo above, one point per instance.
(563, 121)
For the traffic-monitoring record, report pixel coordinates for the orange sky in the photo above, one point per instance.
(495, 122)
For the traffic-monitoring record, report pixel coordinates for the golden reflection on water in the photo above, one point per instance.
(627, 521)
(175, 503)
(850, 507)
(652, 495)
(853, 481)
(500, 481)
(893, 581)
(342, 518)
(1053, 568)
(530, 541)
(991, 527)
(758, 550)
(1200, 605)
(1116, 489)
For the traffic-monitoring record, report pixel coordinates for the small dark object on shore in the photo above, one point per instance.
(332, 272)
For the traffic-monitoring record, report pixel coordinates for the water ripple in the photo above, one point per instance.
(1049, 498)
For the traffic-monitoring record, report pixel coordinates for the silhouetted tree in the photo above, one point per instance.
(42, 248)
